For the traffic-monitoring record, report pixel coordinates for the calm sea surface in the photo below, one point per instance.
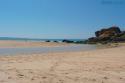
(31, 39)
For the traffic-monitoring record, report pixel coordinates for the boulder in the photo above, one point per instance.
(94, 40)
(112, 31)
(67, 41)
(112, 34)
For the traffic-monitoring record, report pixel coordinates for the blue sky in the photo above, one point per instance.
(59, 18)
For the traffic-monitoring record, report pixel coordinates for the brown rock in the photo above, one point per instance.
(112, 31)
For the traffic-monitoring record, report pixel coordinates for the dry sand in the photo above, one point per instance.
(98, 66)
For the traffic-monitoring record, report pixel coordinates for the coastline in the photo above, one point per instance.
(97, 66)
(23, 44)
(35, 47)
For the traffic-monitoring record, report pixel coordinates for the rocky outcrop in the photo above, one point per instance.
(67, 41)
(108, 32)
(112, 34)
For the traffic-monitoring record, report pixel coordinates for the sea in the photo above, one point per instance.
(37, 39)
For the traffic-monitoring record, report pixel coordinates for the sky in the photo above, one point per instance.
(73, 19)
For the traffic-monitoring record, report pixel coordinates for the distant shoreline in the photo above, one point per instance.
(15, 43)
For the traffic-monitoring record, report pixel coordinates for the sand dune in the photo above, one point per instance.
(99, 66)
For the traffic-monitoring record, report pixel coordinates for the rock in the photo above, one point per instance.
(108, 32)
(80, 42)
(112, 34)
(75, 41)
(47, 41)
(119, 39)
(94, 40)
(55, 41)
(67, 41)
(97, 33)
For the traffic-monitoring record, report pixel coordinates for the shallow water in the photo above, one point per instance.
(37, 50)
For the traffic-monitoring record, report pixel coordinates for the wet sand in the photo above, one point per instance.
(97, 66)
(14, 43)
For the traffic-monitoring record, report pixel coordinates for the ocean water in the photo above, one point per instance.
(34, 39)
(39, 50)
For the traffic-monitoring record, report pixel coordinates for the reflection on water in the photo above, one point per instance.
(34, 50)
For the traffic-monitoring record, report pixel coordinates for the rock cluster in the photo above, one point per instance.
(112, 34)
(67, 41)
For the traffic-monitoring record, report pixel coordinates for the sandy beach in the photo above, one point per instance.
(97, 66)
(62, 41)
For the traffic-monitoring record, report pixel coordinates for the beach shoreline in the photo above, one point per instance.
(24, 44)
(96, 66)
(35, 47)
